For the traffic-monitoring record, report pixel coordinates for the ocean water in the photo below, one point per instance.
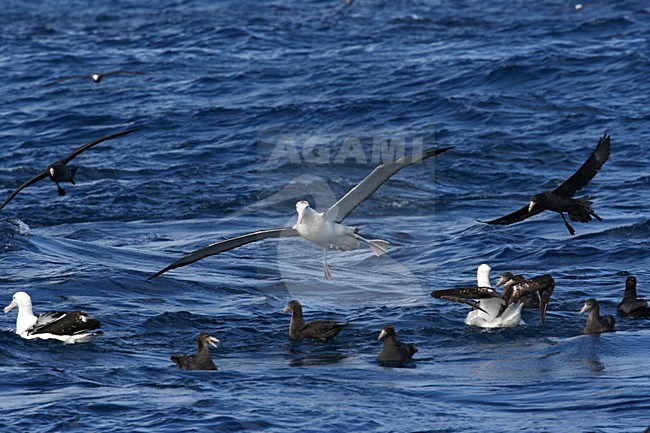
(250, 106)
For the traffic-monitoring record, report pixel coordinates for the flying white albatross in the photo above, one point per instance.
(321, 228)
(69, 327)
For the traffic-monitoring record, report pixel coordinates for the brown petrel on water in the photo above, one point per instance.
(561, 198)
(59, 171)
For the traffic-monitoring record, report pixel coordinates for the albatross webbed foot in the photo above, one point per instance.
(60, 190)
(573, 232)
(326, 268)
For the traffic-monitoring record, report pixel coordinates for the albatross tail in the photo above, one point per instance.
(378, 246)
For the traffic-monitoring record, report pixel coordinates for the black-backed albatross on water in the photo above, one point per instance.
(68, 327)
(561, 199)
(321, 228)
(59, 171)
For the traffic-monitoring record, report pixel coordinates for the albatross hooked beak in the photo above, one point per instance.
(212, 341)
(382, 334)
(585, 308)
(10, 307)
(531, 205)
(301, 206)
(287, 309)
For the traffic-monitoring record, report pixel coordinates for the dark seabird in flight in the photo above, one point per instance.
(321, 228)
(201, 360)
(96, 78)
(561, 198)
(68, 327)
(595, 322)
(631, 306)
(319, 329)
(59, 171)
(394, 351)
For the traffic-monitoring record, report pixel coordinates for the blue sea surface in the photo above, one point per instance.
(250, 106)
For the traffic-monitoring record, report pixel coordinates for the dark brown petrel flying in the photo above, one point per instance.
(319, 329)
(561, 198)
(59, 171)
(95, 77)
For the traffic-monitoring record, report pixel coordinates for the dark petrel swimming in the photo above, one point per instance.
(631, 306)
(394, 351)
(321, 228)
(201, 360)
(595, 322)
(59, 171)
(319, 329)
(96, 78)
(69, 327)
(561, 198)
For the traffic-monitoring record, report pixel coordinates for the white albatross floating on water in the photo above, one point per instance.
(494, 310)
(321, 228)
(69, 327)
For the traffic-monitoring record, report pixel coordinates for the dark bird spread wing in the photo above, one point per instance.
(59, 323)
(543, 285)
(589, 169)
(42, 175)
(125, 73)
(342, 208)
(516, 216)
(226, 245)
(462, 294)
(467, 293)
(87, 146)
(62, 79)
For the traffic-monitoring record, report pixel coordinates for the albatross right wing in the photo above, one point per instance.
(372, 182)
(226, 245)
(87, 146)
(589, 169)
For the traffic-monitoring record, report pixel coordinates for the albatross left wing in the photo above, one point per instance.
(87, 146)
(372, 182)
(589, 169)
(42, 175)
(226, 245)
(516, 216)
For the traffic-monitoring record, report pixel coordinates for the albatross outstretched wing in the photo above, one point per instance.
(66, 78)
(374, 180)
(226, 245)
(589, 169)
(516, 216)
(87, 146)
(42, 175)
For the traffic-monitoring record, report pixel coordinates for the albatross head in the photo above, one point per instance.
(591, 304)
(301, 208)
(505, 279)
(20, 300)
(386, 331)
(292, 306)
(533, 202)
(204, 339)
(97, 77)
(483, 275)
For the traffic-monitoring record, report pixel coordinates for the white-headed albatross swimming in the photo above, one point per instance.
(321, 228)
(69, 327)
